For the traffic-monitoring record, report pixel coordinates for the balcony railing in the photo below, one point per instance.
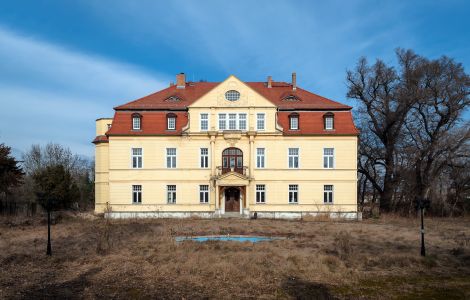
(240, 170)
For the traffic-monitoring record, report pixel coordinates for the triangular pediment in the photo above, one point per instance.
(216, 97)
(232, 178)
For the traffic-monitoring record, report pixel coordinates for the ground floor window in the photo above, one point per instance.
(136, 194)
(327, 194)
(171, 194)
(293, 193)
(260, 193)
(204, 193)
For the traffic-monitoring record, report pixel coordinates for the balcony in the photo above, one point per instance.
(245, 171)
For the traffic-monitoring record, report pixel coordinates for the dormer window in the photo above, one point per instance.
(136, 122)
(291, 98)
(294, 121)
(173, 98)
(171, 121)
(328, 120)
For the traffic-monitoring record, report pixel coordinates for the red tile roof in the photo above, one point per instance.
(195, 90)
(311, 123)
(100, 139)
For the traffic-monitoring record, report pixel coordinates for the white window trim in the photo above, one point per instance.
(237, 120)
(334, 158)
(208, 194)
(256, 193)
(133, 123)
(165, 157)
(264, 122)
(256, 158)
(141, 194)
(132, 156)
(298, 160)
(208, 158)
(200, 122)
(290, 122)
(332, 195)
(332, 123)
(176, 194)
(168, 123)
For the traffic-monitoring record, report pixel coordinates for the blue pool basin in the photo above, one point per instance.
(226, 238)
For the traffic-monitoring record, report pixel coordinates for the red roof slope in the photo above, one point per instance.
(312, 123)
(194, 90)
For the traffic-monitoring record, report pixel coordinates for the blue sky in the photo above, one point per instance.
(65, 63)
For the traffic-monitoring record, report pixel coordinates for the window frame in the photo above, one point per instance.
(204, 195)
(263, 165)
(326, 158)
(172, 193)
(328, 192)
(170, 119)
(326, 117)
(227, 121)
(258, 119)
(291, 118)
(170, 156)
(260, 192)
(294, 192)
(203, 158)
(141, 156)
(201, 121)
(293, 160)
(137, 193)
(135, 117)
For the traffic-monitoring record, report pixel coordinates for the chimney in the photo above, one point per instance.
(180, 81)
(294, 81)
(270, 82)
(172, 83)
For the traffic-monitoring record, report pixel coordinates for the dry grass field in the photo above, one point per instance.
(134, 259)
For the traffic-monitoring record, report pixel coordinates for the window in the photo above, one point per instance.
(109, 126)
(327, 194)
(294, 121)
(328, 158)
(328, 119)
(232, 95)
(204, 194)
(260, 121)
(204, 122)
(260, 157)
(204, 158)
(235, 121)
(242, 121)
(136, 158)
(232, 121)
(222, 121)
(293, 193)
(260, 193)
(136, 124)
(293, 158)
(171, 158)
(136, 194)
(171, 121)
(171, 194)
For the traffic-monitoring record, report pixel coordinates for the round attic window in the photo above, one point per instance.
(232, 95)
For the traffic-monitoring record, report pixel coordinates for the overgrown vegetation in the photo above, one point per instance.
(97, 258)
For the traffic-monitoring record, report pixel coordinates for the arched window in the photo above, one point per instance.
(329, 121)
(171, 121)
(232, 160)
(294, 121)
(136, 121)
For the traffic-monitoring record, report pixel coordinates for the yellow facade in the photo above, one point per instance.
(115, 174)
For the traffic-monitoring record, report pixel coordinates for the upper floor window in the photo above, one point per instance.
(328, 120)
(232, 95)
(260, 193)
(204, 194)
(171, 158)
(260, 157)
(293, 154)
(260, 121)
(294, 121)
(136, 194)
(136, 158)
(204, 158)
(204, 122)
(235, 121)
(222, 121)
(327, 194)
(328, 158)
(293, 193)
(171, 194)
(171, 121)
(136, 121)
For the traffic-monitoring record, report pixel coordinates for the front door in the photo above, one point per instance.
(232, 200)
(232, 160)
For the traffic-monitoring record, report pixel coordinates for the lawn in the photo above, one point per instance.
(95, 258)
